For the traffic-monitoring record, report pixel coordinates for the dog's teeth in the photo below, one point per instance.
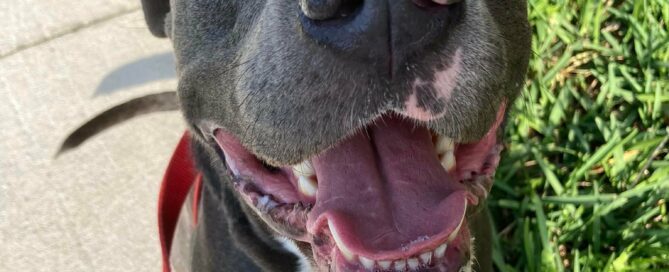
(448, 161)
(304, 169)
(455, 232)
(367, 263)
(305, 178)
(440, 251)
(400, 265)
(340, 244)
(385, 265)
(426, 257)
(444, 144)
(307, 186)
(413, 264)
(446, 149)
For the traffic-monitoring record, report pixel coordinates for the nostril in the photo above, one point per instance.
(446, 2)
(320, 9)
(328, 9)
(434, 3)
(348, 7)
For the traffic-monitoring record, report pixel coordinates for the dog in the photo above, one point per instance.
(341, 135)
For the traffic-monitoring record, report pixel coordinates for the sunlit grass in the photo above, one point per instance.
(585, 179)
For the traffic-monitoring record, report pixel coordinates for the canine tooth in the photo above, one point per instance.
(413, 263)
(304, 169)
(400, 265)
(340, 244)
(455, 232)
(448, 160)
(367, 263)
(444, 144)
(426, 257)
(440, 251)
(385, 265)
(307, 186)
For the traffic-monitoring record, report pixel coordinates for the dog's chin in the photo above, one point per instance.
(391, 196)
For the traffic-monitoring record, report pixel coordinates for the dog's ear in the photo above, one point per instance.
(154, 13)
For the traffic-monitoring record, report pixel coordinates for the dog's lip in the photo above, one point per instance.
(243, 164)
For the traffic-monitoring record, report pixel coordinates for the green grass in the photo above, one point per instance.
(584, 182)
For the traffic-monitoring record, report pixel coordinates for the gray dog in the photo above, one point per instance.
(342, 135)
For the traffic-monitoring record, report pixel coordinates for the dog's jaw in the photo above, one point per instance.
(447, 254)
(285, 198)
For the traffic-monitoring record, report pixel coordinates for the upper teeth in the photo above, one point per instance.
(446, 151)
(444, 144)
(448, 161)
(304, 169)
(307, 186)
(306, 178)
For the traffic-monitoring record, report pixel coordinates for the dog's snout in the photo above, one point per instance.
(379, 32)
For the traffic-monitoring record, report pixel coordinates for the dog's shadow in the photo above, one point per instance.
(144, 70)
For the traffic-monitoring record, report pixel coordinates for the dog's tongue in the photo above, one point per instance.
(385, 190)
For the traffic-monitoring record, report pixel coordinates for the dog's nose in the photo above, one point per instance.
(381, 31)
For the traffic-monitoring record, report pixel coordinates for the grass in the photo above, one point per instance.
(584, 182)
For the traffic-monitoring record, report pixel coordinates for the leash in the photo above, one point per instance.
(178, 180)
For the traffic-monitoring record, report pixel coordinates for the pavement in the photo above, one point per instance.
(93, 209)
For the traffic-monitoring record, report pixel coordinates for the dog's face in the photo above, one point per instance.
(367, 129)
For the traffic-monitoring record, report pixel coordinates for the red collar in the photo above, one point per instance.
(179, 177)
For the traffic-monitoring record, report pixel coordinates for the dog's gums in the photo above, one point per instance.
(393, 196)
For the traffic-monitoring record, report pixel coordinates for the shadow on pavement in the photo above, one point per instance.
(152, 68)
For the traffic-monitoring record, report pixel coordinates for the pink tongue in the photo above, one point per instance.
(385, 190)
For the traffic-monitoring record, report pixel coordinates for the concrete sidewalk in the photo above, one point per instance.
(94, 209)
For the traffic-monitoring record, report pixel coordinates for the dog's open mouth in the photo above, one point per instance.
(391, 197)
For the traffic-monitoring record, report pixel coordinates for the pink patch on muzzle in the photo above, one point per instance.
(444, 83)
